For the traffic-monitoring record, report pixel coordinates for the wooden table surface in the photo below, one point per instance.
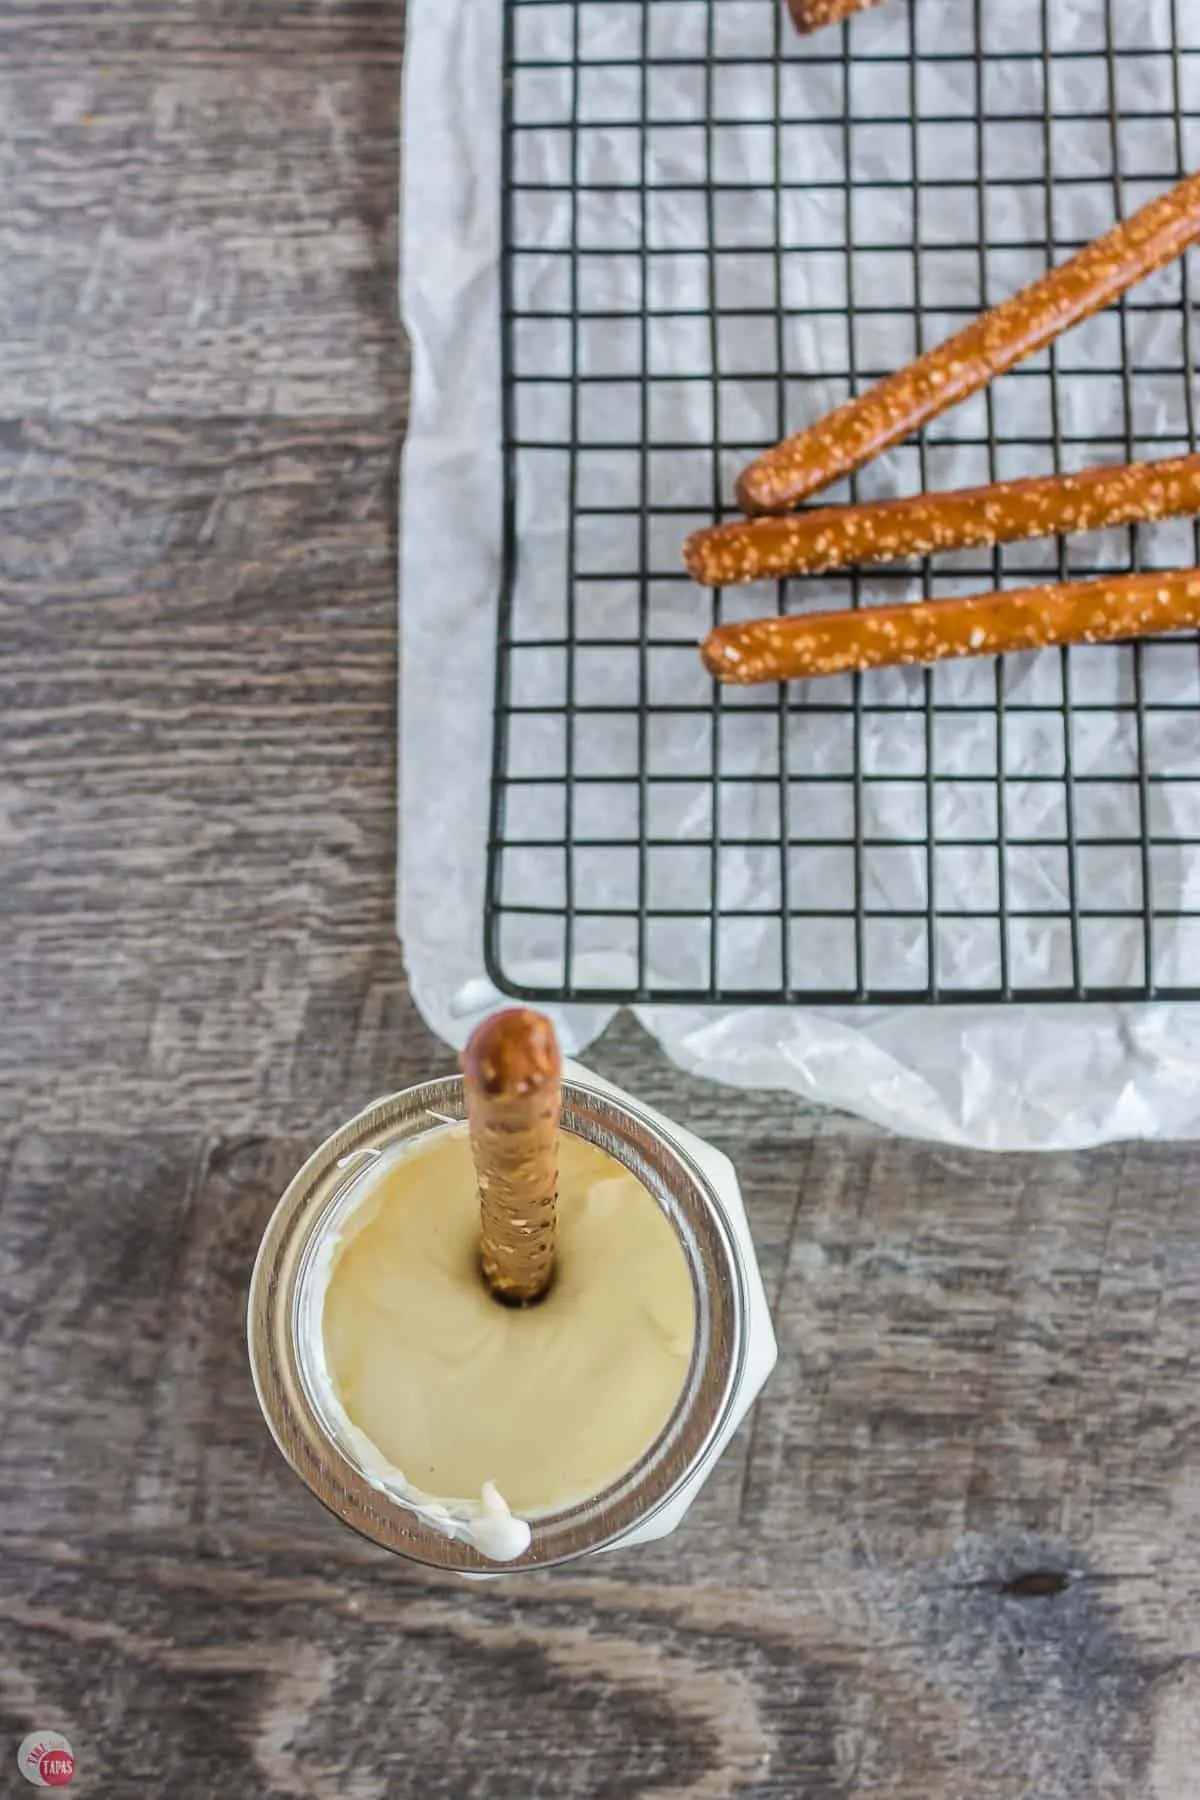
(954, 1552)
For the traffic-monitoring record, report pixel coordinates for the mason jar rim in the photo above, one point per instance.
(302, 1222)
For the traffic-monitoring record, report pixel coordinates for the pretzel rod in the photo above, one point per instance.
(811, 15)
(930, 631)
(1024, 324)
(841, 537)
(513, 1074)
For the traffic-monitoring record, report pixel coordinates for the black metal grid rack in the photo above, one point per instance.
(714, 231)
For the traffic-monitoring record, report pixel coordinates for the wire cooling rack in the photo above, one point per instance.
(714, 231)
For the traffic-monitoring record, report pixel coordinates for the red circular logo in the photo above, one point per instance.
(57, 1768)
(46, 1759)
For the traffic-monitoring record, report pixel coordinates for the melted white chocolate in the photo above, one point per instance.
(458, 1393)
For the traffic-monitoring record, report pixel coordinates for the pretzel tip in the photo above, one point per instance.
(747, 495)
(693, 554)
(802, 17)
(513, 1054)
(717, 658)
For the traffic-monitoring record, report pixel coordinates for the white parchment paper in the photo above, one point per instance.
(998, 1077)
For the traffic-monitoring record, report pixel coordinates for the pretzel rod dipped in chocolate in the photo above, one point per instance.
(842, 537)
(1024, 324)
(931, 631)
(512, 1069)
(811, 15)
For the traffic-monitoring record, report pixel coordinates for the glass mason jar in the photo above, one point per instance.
(733, 1350)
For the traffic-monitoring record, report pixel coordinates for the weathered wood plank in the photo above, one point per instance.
(197, 717)
(214, 33)
(215, 240)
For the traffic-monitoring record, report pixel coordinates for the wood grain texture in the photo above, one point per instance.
(215, 240)
(952, 1553)
(201, 34)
